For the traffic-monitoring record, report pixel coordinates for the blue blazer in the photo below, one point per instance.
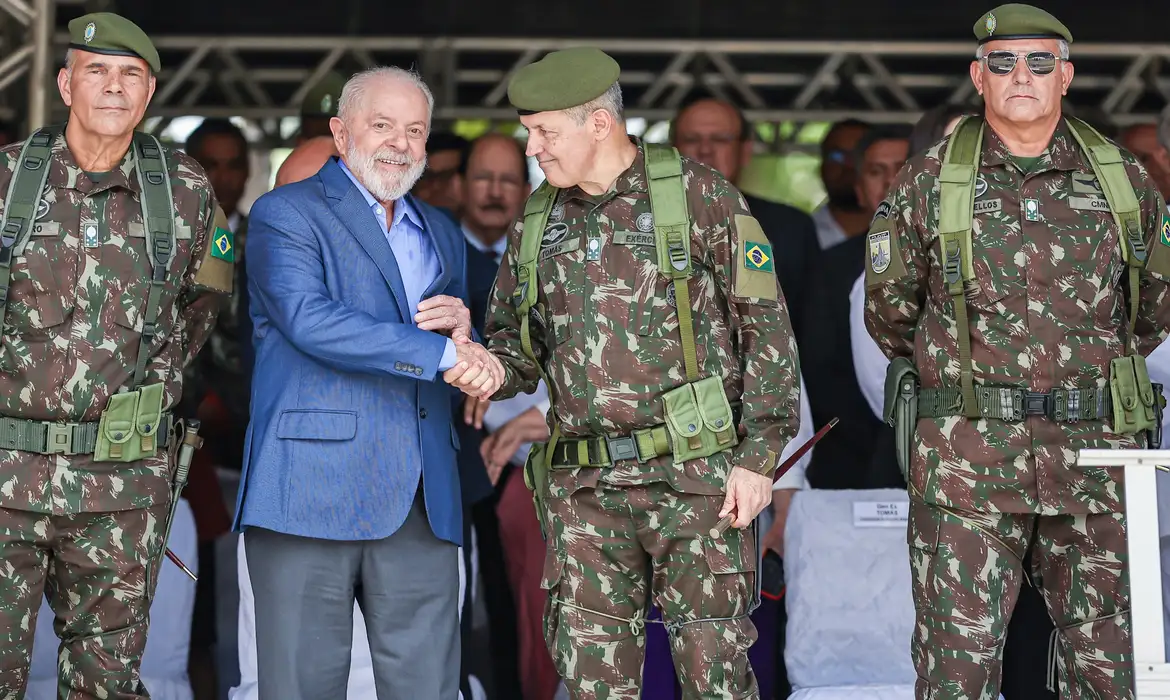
(349, 410)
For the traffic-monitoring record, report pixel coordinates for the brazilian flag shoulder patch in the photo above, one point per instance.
(223, 245)
(757, 256)
(1164, 233)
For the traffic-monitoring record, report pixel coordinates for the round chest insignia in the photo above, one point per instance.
(554, 234)
(645, 222)
(557, 213)
(980, 186)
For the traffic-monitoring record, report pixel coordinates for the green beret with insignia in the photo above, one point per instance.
(1019, 21)
(321, 100)
(112, 35)
(562, 79)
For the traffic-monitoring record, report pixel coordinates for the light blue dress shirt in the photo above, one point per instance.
(417, 261)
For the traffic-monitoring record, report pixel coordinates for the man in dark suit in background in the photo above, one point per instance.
(716, 133)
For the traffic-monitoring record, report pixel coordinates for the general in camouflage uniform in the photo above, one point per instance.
(1016, 280)
(104, 308)
(652, 308)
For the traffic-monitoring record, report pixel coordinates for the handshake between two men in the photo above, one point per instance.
(476, 372)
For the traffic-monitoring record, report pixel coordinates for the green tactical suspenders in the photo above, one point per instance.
(1130, 397)
(137, 413)
(699, 420)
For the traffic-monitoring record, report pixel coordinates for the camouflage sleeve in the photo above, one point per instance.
(743, 263)
(502, 328)
(895, 268)
(207, 281)
(1153, 318)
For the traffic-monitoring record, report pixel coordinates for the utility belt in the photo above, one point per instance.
(1131, 404)
(699, 423)
(132, 428)
(1015, 404)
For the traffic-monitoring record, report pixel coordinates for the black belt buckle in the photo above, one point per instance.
(1037, 403)
(622, 448)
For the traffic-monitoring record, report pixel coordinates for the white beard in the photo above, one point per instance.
(386, 187)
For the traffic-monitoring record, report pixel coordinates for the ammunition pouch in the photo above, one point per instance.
(699, 420)
(1134, 399)
(129, 428)
(901, 409)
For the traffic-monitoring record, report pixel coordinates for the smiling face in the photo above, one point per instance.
(106, 95)
(383, 138)
(1021, 96)
(564, 149)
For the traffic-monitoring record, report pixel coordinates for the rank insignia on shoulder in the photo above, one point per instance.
(223, 245)
(883, 212)
(758, 256)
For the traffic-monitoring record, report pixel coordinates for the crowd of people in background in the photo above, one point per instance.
(482, 184)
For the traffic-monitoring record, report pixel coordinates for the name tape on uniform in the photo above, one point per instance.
(881, 513)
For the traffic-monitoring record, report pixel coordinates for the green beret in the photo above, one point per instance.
(112, 35)
(562, 79)
(321, 99)
(1018, 21)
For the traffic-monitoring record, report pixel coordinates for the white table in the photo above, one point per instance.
(1151, 670)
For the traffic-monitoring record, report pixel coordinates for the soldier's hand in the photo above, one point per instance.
(748, 493)
(444, 314)
(474, 410)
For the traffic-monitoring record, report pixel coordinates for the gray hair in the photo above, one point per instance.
(1061, 51)
(355, 88)
(610, 101)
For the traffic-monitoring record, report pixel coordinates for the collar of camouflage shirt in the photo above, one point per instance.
(1062, 153)
(64, 173)
(631, 181)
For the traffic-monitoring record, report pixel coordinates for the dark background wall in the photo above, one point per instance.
(1122, 20)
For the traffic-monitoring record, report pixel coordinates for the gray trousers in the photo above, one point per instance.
(407, 586)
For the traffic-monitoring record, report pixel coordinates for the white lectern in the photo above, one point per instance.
(1151, 670)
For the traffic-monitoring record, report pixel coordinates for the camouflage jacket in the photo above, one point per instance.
(75, 317)
(1047, 310)
(607, 332)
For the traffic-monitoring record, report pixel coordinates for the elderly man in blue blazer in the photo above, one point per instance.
(350, 489)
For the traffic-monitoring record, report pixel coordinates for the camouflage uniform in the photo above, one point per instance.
(633, 534)
(1047, 311)
(89, 535)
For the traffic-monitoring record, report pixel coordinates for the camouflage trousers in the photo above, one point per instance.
(98, 571)
(615, 551)
(967, 574)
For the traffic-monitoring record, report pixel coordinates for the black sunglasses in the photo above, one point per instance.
(1003, 62)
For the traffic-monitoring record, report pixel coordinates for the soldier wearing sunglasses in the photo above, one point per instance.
(1017, 275)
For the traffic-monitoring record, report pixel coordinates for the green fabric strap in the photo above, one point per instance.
(1010, 403)
(158, 218)
(536, 212)
(1109, 167)
(668, 203)
(641, 445)
(47, 437)
(956, 206)
(24, 194)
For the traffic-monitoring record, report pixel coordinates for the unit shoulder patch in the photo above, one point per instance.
(754, 275)
(216, 269)
(883, 258)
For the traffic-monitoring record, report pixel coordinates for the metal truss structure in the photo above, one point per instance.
(263, 78)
